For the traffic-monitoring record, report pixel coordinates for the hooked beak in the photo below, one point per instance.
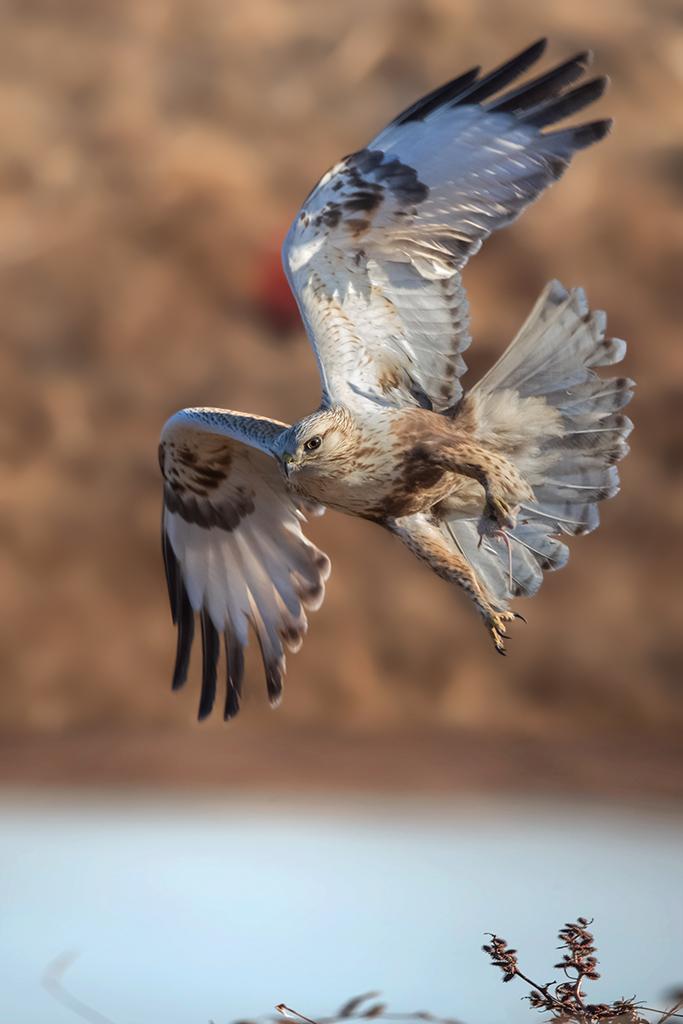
(287, 463)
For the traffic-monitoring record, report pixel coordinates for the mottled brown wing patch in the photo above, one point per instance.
(196, 463)
(195, 466)
(201, 512)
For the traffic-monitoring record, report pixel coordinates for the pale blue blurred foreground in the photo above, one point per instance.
(188, 908)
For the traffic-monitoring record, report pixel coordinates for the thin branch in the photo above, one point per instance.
(666, 1013)
(543, 989)
(286, 1012)
(52, 982)
(577, 992)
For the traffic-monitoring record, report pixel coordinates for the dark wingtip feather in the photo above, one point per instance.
(542, 97)
(556, 109)
(503, 75)
(181, 609)
(232, 704)
(525, 58)
(274, 683)
(234, 656)
(185, 621)
(437, 97)
(210, 649)
(173, 575)
(547, 86)
(585, 135)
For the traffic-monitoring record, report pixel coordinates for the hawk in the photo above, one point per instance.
(477, 484)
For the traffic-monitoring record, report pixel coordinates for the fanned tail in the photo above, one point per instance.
(561, 425)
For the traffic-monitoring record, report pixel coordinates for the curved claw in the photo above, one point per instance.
(495, 622)
(518, 616)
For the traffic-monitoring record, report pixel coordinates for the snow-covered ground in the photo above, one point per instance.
(184, 908)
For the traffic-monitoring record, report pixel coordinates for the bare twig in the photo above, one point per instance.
(667, 1013)
(287, 1012)
(52, 982)
(352, 1005)
(357, 1009)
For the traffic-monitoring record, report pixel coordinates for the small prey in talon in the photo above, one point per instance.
(497, 518)
(480, 484)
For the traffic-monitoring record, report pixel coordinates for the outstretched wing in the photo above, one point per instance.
(374, 255)
(233, 548)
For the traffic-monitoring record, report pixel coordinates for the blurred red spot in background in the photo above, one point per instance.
(271, 291)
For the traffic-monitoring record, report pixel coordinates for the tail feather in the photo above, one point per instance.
(533, 551)
(591, 401)
(555, 348)
(543, 406)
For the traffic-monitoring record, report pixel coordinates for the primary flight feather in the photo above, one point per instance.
(479, 484)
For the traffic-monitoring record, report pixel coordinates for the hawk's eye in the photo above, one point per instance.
(313, 443)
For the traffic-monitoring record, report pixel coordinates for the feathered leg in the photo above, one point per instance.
(504, 487)
(423, 537)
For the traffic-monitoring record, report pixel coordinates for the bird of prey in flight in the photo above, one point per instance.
(478, 484)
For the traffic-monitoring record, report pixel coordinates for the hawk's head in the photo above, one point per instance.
(319, 445)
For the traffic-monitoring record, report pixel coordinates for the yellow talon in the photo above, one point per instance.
(495, 623)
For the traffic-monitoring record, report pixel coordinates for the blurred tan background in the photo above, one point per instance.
(153, 153)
